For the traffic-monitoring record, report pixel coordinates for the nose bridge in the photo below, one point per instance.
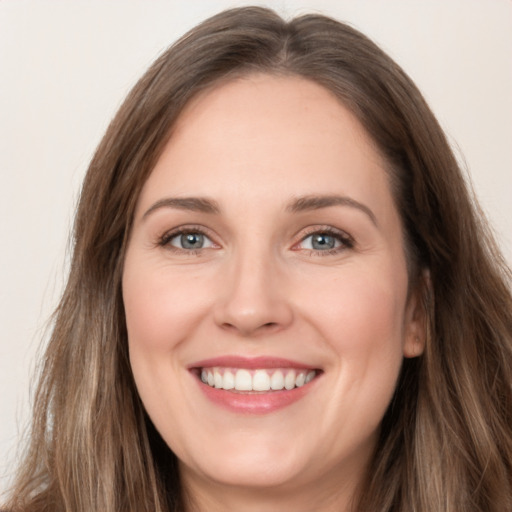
(253, 298)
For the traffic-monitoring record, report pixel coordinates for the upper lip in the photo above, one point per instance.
(250, 363)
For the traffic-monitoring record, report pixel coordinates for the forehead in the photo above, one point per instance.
(267, 135)
(248, 107)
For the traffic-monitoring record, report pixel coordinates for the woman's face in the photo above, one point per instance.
(266, 289)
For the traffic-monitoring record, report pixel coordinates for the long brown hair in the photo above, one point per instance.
(445, 443)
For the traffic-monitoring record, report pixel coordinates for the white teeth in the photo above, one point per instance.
(261, 381)
(310, 376)
(256, 380)
(289, 380)
(243, 381)
(217, 379)
(228, 381)
(277, 381)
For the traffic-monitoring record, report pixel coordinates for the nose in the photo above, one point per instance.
(254, 298)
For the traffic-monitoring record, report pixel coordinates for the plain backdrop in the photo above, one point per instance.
(65, 67)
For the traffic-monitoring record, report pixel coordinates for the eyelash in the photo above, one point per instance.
(165, 239)
(346, 241)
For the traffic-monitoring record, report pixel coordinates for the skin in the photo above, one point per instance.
(256, 288)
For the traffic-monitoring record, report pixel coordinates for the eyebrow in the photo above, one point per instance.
(193, 204)
(314, 202)
(299, 204)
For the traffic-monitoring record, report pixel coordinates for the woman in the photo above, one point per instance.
(281, 296)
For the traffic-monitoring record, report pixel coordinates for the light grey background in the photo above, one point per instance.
(66, 66)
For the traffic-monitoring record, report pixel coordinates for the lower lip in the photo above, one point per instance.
(255, 403)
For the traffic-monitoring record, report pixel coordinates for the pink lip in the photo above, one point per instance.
(252, 402)
(250, 363)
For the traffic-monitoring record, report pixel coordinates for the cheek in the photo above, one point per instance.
(160, 308)
(357, 306)
(162, 311)
(361, 317)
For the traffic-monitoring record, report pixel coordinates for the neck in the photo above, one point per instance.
(327, 494)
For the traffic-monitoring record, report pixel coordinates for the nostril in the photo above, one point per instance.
(269, 328)
(266, 327)
(229, 327)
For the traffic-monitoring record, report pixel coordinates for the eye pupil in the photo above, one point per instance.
(192, 240)
(323, 241)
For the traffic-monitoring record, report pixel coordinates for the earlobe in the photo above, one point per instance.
(416, 318)
(414, 347)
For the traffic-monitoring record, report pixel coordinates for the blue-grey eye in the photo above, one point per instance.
(190, 241)
(321, 242)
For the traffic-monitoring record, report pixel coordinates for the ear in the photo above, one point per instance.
(415, 320)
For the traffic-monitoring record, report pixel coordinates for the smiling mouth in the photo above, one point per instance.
(258, 380)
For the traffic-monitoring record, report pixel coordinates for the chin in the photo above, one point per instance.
(248, 472)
